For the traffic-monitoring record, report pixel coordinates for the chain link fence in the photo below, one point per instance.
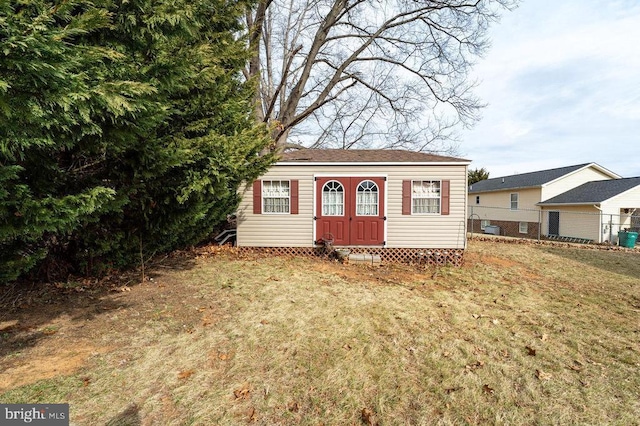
(563, 225)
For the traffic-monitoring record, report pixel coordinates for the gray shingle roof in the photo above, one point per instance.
(524, 180)
(594, 192)
(364, 156)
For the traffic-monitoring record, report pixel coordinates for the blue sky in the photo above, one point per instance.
(562, 84)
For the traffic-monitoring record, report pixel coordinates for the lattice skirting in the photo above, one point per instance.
(420, 256)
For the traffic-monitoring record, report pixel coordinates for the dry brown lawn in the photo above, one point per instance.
(522, 334)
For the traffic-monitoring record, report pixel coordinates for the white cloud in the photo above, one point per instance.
(562, 86)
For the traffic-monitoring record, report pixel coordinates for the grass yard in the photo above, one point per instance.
(522, 334)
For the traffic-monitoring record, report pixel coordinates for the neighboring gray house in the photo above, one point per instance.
(511, 202)
(594, 210)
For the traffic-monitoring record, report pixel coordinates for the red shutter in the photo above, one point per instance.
(406, 197)
(293, 188)
(445, 197)
(257, 197)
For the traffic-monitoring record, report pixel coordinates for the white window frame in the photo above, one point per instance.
(265, 196)
(377, 204)
(511, 201)
(342, 204)
(439, 198)
(484, 223)
(525, 227)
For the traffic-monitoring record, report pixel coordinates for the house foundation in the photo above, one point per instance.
(415, 256)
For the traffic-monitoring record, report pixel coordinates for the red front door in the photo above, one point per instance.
(350, 210)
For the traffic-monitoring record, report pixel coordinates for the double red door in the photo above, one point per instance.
(350, 210)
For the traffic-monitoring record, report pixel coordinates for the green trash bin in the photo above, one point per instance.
(627, 239)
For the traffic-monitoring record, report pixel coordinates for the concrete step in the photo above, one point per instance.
(365, 259)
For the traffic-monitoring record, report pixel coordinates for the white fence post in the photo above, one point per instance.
(539, 224)
(611, 229)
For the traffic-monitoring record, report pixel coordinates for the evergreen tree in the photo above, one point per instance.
(476, 175)
(123, 124)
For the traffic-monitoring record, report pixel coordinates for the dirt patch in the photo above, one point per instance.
(498, 261)
(56, 331)
(60, 361)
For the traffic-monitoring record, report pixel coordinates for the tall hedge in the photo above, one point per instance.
(123, 125)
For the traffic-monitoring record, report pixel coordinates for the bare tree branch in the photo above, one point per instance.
(369, 73)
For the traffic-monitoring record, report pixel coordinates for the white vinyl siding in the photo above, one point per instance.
(409, 231)
(497, 206)
(571, 181)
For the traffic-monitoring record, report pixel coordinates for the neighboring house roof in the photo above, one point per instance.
(594, 192)
(532, 179)
(358, 156)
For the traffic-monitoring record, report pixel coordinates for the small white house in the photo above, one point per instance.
(401, 205)
(594, 210)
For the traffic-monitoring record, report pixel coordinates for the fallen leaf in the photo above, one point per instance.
(495, 322)
(476, 316)
(544, 337)
(86, 381)
(346, 346)
(452, 390)
(368, 418)
(541, 375)
(478, 350)
(530, 351)
(185, 374)
(264, 322)
(293, 407)
(243, 392)
(251, 414)
(488, 389)
(475, 365)
(223, 357)
(446, 354)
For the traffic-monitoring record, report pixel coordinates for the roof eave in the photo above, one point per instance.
(594, 165)
(473, 191)
(590, 203)
(373, 163)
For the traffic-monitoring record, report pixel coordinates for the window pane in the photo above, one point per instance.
(275, 196)
(426, 196)
(333, 199)
(514, 201)
(367, 199)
